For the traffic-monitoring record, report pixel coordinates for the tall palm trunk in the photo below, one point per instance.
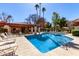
(37, 6)
(37, 16)
(43, 10)
(43, 14)
(39, 10)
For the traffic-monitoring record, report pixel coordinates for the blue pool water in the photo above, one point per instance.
(46, 41)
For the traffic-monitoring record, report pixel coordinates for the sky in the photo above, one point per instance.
(20, 11)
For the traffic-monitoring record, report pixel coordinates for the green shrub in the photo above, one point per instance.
(1, 30)
(75, 32)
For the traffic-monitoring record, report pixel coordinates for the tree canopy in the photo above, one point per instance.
(58, 21)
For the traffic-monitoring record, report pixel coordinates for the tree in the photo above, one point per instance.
(58, 22)
(39, 10)
(37, 6)
(3, 16)
(41, 22)
(28, 20)
(55, 20)
(7, 18)
(33, 18)
(63, 22)
(43, 10)
(48, 25)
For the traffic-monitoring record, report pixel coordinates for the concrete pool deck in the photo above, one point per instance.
(25, 48)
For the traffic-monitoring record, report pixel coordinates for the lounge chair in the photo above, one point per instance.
(6, 37)
(7, 47)
(3, 47)
(6, 42)
(3, 35)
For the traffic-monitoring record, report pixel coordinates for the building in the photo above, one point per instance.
(75, 23)
(17, 27)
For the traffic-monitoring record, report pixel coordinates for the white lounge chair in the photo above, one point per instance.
(3, 35)
(6, 42)
(6, 37)
(8, 50)
(7, 46)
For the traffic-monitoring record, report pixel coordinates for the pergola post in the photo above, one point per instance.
(35, 29)
(31, 29)
(8, 28)
(39, 29)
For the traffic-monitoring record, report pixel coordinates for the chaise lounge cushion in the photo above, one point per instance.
(7, 42)
(4, 47)
(3, 35)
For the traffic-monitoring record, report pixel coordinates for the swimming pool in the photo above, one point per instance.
(46, 41)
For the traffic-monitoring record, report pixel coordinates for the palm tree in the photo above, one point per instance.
(43, 10)
(39, 10)
(55, 15)
(55, 19)
(37, 6)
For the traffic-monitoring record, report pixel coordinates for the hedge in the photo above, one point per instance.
(75, 32)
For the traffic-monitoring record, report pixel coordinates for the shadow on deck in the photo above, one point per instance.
(72, 45)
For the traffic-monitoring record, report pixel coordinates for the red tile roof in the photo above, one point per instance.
(76, 22)
(2, 23)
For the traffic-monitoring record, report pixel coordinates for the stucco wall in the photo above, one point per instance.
(7, 27)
